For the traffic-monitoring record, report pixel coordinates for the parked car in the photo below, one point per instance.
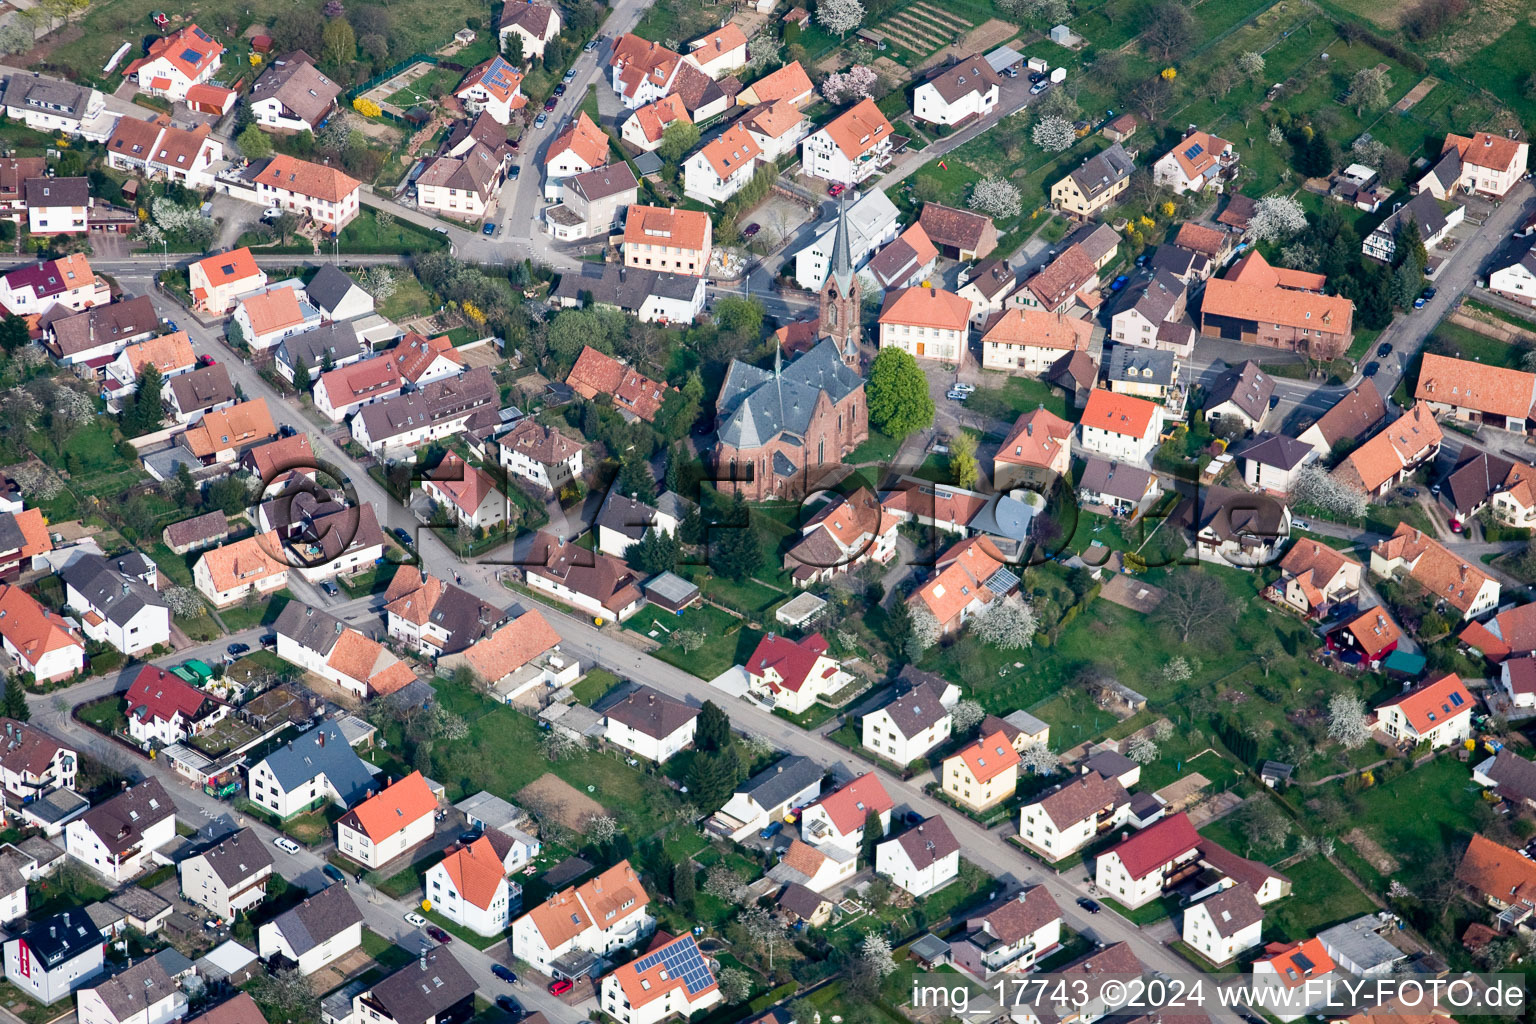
(330, 588)
(269, 642)
(237, 649)
(1301, 524)
(286, 845)
(1418, 303)
(591, 45)
(560, 89)
(957, 396)
(1036, 76)
(402, 536)
(334, 873)
(1088, 904)
(1141, 260)
(1118, 283)
(560, 986)
(438, 934)
(549, 104)
(962, 386)
(538, 122)
(515, 173)
(414, 919)
(836, 190)
(1427, 293)
(504, 973)
(1038, 88)
(570, 76)
(751, 230)
(1410, 492)
(1371, 368)
(1383, 350)
(509, 1006)
(1457, 526)
(469, 835)
(489, 228)
(773, 829)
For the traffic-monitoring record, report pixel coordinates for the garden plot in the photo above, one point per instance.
(923, 28)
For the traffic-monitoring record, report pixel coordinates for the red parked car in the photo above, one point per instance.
(560, 986)
(836, 190)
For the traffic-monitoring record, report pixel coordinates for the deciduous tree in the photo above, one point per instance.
(1346, 721)
(1053, 133)
(1277, 218)
(897, 394)
(839, 16)
(1368, 89)
(1008, 625)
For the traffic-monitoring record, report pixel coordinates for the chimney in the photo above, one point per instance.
(322, 738)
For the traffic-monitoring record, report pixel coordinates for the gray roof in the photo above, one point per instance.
(1096, 240)
(62, 937)
(489, 808)
(237, 857)
(1025, 722)
(757, 405)
(139, 904)
(311, 628)
(295, 83)
(918, 708)
(652, 713)
(1447, 170)
(674, 505)
(1176, 261)
(1156, 299)
(778, 782)
(1274, 450)
(625, 515)
(1360, 942)
(1423, 210)
(319, 917)
(1109, 763)
(1143, 365)
(625, 287)
(172, 962)
(321, 750)
(476, 170)
(206, 527)
(928, 842)
(11, 879)
(42, 192)
(1102, 170)
(339, 339)
(328, 287)
(122, 820)
(973, 74)
(202, 389)
(1233, 909)
(116, 595)
(1513, 775)
(440, 400)
(602, 182)
(670, 587)
(424, 988)
(1101, 476)
(47, 94)
(1247, 387)
(801, 901)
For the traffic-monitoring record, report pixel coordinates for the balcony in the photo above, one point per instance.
(1001, 959)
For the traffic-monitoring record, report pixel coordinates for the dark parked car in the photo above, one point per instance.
(1371, 368)
(504, 973)
(334, 873)
(1118, 283)
(1036, 76)
(515, 173)
(489, 228)
(1383, 349)
(438, 934)
(1088, 904)
(549, 104)
(509, 1005)
(1429, 292)
(470, 836)
(286, 430)
(330, 589)
(269, 642)
(237, 649)
(402, 536)
(751, 230)
(560, 89)
(1410, 492)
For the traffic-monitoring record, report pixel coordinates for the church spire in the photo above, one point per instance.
(839, 305)
(842, 257)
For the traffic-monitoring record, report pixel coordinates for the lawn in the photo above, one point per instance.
(878, 449)
(421, 91)
(366, 235)
(1320, 897)
(243, 617)
(1008, 398)
(725, 636)
(105, 714)
(408, 300)
(461, 933)
(1445, 806)
(1504, 65)
(594, 685)
(384, 952)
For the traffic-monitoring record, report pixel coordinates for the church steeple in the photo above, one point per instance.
(840, 294)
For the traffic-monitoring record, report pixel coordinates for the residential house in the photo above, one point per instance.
(965, 90)
(142, 994)
(221, 434)
(1485, 163)
(99, 332)
(229, 877)
(541, 455)
(217, 281)
(1348, 422)
(1145, 373)
(321, 928)
(41, 641)
(958, 234)
(1070, 279)
(55, 956)
(598, 584)
(337, 296)
(418, 361)
(623, 521)
(642, 71)
(274, 314)
(718, 54)
(176, 62)
(163, 708)
(650, 295)
(788, 83)
(1504, 878)
(435, 618)
(645, 128)
(324, 348)
(570, 932)
(1010, 934)
(1438, 713)
(1141, 311)
(292, 95)
(49, 105)
(1314, 578)
(592, 203)
(323, 194)
(672, 978)
(57, 206)
(1036, 451)
(986, 288)
(839, 818)
(469, 887)
(493, 87)
(1241, 395)
(389, 824)
(194, 395)
(23, 536)
(1223, 926)
(1392, 456)
(650, 724)
(913, 724)
(1239, 528)
(967, 579)
(1273, 462)
(244, 568)
(434, 989)
(982, 774)
(870, 221)
(316, 768)
(777, 127)
(1366, 638)
(1461, 585)
(817, 868)
(1359, 947)
(1095, 184)
(580, 148)
(170, 354)
(1475, 392)
(118, 837)
(464, 187)
(721, 167)
(1031, 341)
(69, 282)
(905, 262)
(665, 239)
(157, 147)
(1299, 975)
(780, 431)
(1516, 280)
(534, 23)
(803, 906)
(845, 532)
(441, 408)
(1138, 869)
(929, 323)
(1121, 426)
(1074, 814)
(923, 859)
(519, 656)
(1197, 162)
(467, 493)
(33, 763)
(117, 601)
(1258, 304)
(323, 537)
(196, 533)
(851, 148)
(1424, 212)
(768, 796)
(1509, 634)
(794, 674)
(1211, 244)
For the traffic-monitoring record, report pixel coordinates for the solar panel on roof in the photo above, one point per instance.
(204, 36)
(191, 56)
(1456, 700)
(683, 960)
(1194, 151)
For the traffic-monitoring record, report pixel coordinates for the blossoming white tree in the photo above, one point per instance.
(1276, 218)
(1053, 133)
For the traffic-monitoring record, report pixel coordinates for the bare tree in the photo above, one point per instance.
(1193, 601)
(1038, 758)
(1153, 96)
(1170, 27)
(767, 930)
(1222, 80)
(726, 885)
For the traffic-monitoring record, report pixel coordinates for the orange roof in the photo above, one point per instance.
(654, 117)
(284, 456)
(804, 858)
(34, 532)
(1037, 439)
(585, 139)
(222, 429)
(1400, 445)
(512, 646)
(1433, 704)
(604, 901)
(1485, 150)
(1207, 149)
(229, 267)
(790, 82)
(657, 982)
(848, 517)
(368, 661)
(1498, 871)
(411, 595)
(1254, 269)
(306, 179)
(211, 95)
(597, 373)
(859, 129)
(465, 485)
(657, 225)
(640, 60)
(475, 871)
(1434, 567)
(1317, 563)
(275, 309)
(926, 307)
(1374, 630)
(168, 352)
(722, 40)
(401, 805)
(1282, 958)
(416, 354)
(849, 805)
(1285, 306)
(989, 757)
(962, 578)
(1465, 384)
(189, 50)
(1118, 414)
(774, 119)
(1201, 239)
(923, 249)
(1039, 328)
(1512, 630)
(731, 151)
(30, 628)
(243, 562)
(499, 79)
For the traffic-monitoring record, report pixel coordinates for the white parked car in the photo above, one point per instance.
(286, 845)
(967, 388)
(415, 920)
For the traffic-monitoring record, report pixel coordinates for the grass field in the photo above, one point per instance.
(421, 90)
(367, 235)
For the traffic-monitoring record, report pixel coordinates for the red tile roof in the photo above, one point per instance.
(792, 660)
(1293, 972)
(1498, 871)
(402, 804)
(989, 757)
(157, 695)
(1117, 413)
(849, 805)
(1433, 704)
(1157, 845)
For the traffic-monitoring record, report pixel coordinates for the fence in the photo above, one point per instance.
(384, 76)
